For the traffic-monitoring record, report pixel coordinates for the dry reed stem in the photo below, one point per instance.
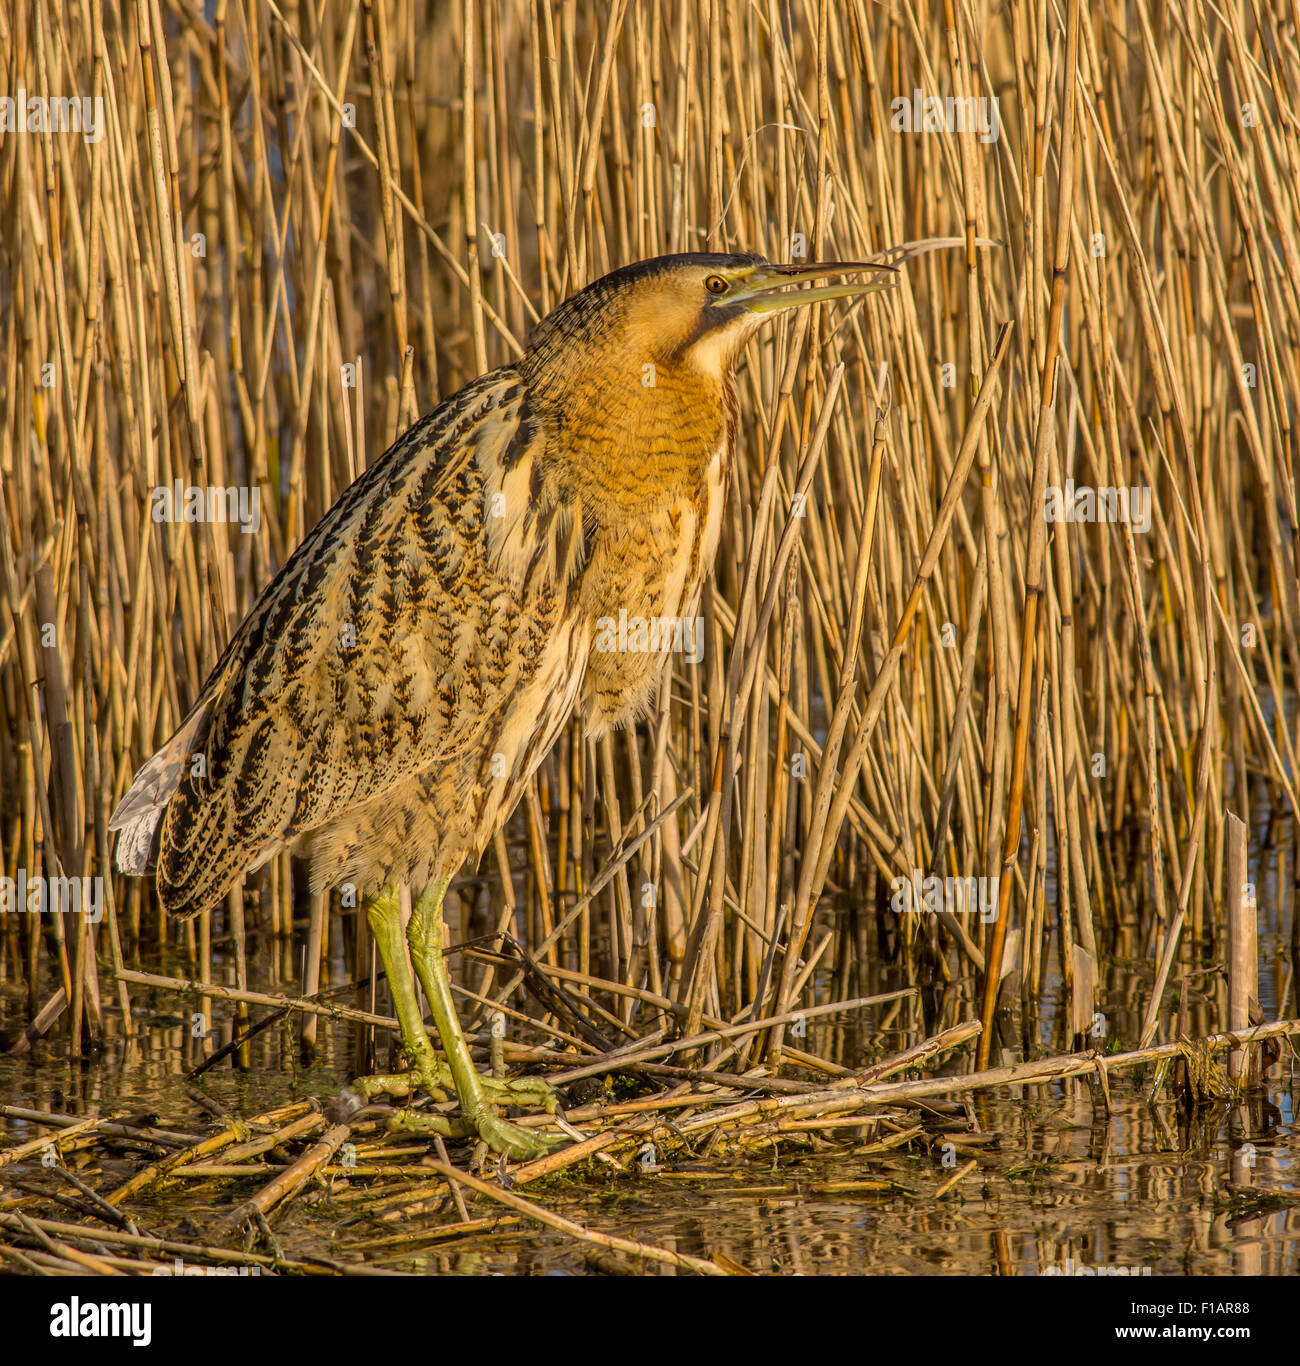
(681, 1260)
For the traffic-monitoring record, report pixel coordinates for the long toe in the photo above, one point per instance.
(514, 1142)
(528, 1093)
(434, 1081)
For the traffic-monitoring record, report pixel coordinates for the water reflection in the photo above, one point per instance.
(1063, 1182)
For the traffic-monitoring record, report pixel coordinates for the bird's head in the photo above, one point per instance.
(697, 309)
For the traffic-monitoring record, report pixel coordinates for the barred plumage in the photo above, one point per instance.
(382, 706)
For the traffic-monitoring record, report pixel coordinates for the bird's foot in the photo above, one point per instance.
(435, 1078)
(511, 1140)
(432, 1077)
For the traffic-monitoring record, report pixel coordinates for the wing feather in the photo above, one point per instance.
(386, 645)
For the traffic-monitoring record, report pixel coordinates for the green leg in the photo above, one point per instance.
(428, 1072)
(384, 914)
(475, 1093)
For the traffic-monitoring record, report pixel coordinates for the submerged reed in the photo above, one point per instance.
(1009, 602)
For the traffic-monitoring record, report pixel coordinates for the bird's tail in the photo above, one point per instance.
(139, 812)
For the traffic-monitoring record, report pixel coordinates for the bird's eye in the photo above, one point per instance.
(715, 284)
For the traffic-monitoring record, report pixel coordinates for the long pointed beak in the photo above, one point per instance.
(767, 289)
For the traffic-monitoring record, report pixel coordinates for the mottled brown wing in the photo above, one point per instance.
(383, 647)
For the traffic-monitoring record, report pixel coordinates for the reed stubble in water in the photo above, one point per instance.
(216, 292)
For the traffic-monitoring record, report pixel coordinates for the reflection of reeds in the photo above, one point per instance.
(1073, 711)
(699, 1133)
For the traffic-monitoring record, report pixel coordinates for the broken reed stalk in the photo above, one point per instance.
(192, 1254)
(1047, 710)
(1070, 1065)
(648, 1251)
(1243, 951)
(702, 1118)
(293, 1178)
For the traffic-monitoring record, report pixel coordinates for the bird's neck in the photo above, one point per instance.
(639, 433)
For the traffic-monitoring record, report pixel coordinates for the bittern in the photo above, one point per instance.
(386, 699)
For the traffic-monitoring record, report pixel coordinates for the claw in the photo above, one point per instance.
(506, 1139)
(520, 1145)
(434, 1080)
(500, 1135)
(525, 1092)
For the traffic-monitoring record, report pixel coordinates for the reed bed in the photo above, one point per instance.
(299, 226)
(368, 1181)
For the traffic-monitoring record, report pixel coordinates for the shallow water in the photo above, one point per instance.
(1061, 1188)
